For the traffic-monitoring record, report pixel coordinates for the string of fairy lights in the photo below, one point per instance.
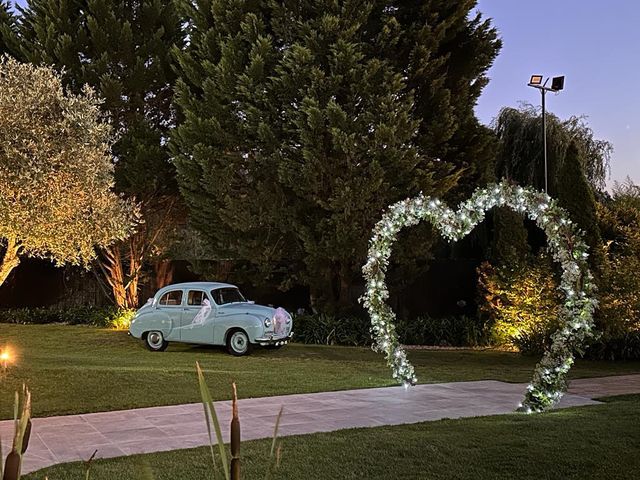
(564, 241)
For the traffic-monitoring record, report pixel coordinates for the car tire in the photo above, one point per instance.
(238, 343)
(155, 341)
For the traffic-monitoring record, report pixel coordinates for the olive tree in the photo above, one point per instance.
(56, 171)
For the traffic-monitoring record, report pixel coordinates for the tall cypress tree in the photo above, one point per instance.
(122, 48)
(9, 43)
(304, 120)
(509, 244)
(445, 49)
(576, 195)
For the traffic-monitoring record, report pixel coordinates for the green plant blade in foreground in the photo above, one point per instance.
(272, 456)
(22, 432)
(211, 417)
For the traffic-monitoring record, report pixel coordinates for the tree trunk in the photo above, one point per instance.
(130, 256)
(320, 291)
(331, 290)
(114, 274)
(11, 258)
(124, 286)
(164, 273)
(136, 257)
(344, 295)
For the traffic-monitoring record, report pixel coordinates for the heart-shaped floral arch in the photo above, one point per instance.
(564, 241)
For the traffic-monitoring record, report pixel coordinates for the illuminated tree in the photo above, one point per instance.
(56, 171)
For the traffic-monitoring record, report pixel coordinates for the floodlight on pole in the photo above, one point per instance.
(557, 84)
(535, 80)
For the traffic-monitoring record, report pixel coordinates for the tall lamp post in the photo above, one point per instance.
(557, 84)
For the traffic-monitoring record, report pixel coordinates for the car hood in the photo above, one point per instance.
(249, 308)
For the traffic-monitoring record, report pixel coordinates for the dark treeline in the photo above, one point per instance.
(263, 139)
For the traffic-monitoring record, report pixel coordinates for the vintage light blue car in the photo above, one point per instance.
(209, 313)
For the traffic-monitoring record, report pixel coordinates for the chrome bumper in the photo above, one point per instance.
(273, 340)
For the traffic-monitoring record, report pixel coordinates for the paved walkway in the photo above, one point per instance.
(74, 437)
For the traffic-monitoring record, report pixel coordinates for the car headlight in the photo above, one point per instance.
(267, 322)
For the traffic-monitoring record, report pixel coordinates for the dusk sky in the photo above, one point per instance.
(595, 44)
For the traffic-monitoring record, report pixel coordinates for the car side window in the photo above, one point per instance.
(225, 295)
(171, 298)
(217, 297)
(195, 298)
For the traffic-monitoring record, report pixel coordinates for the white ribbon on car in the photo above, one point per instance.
(203, 313)
(280, 321)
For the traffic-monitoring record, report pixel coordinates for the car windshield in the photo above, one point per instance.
(226, 295)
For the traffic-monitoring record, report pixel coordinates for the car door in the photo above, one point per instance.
(197, 318)
(170, 305)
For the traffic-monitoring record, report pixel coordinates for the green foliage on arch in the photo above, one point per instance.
(565, 243)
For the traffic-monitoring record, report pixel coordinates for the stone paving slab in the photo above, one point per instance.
(606, 386)
(144, 430)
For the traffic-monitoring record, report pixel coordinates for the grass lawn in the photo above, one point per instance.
(76, 369)
(599, 441)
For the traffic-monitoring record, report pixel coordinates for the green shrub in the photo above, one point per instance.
(449, 331)
(108, 317)
(323, 329)
(533, 341)
(326, 329)
(624, 346)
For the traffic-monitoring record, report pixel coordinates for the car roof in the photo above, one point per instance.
(196, 285)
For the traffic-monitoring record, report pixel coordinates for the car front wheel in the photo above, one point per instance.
(238, 343)
(155, 341)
